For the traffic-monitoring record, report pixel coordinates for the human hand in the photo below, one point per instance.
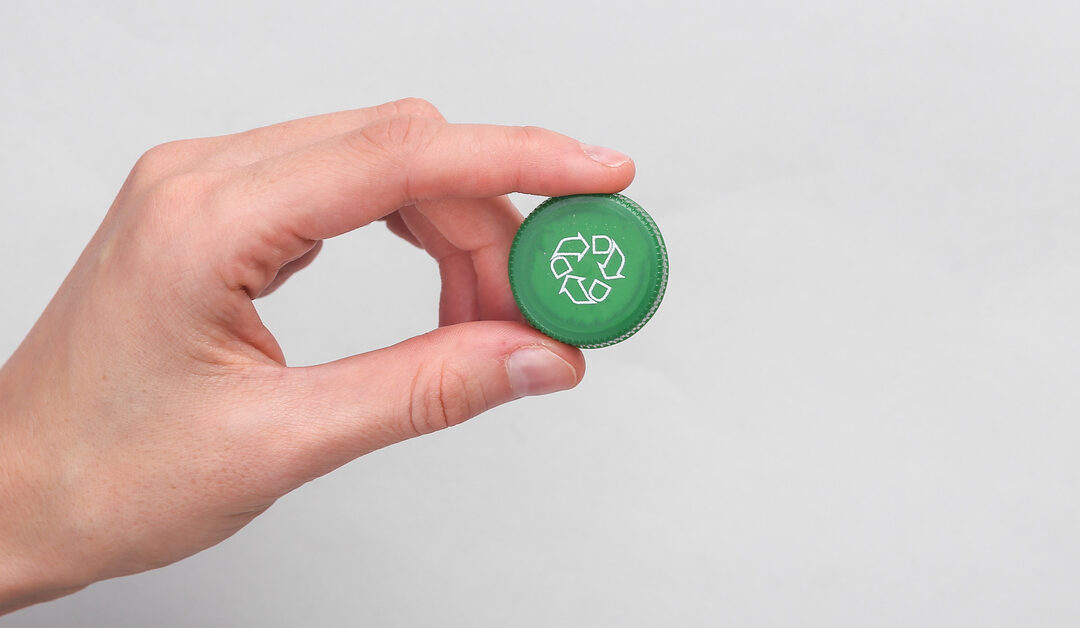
(149, 414)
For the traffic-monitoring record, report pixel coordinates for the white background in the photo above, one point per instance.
(857, 406)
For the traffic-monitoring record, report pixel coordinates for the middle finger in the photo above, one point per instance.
(241, 149)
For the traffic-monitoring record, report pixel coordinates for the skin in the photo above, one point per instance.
(149, 414)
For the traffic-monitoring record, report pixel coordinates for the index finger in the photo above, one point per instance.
(349, 181)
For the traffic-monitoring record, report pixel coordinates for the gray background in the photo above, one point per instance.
(857, 406)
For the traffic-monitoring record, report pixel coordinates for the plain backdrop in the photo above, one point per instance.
(857, 406)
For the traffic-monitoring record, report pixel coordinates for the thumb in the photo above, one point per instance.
(338, 411)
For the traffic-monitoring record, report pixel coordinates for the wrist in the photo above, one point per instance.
(23, 593)
(32, 566)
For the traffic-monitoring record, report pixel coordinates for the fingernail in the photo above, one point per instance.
(607, 156)
(537, 371)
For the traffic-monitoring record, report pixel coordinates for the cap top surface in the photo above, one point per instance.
(589, 269)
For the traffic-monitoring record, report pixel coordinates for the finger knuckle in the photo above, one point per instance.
(164, 159)
(399, 138)
(524, 137)
(175, 193)
(174, 205)
(413, 106)
(444, 396)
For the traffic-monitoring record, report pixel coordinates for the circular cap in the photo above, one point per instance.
(588, 270)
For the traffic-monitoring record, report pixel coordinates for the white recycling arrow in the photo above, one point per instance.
(566, 243)
(592, 291)
(580, 283)
(564, 263)
(613, 252)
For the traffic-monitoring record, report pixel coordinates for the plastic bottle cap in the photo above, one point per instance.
(588, 270)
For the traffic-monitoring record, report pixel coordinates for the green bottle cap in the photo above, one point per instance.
(588, 270)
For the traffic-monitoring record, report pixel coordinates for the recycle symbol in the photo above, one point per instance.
(572, 250)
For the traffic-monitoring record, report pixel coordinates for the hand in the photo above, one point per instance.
(149, 414)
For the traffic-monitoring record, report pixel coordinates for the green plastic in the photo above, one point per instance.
(588, 270)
